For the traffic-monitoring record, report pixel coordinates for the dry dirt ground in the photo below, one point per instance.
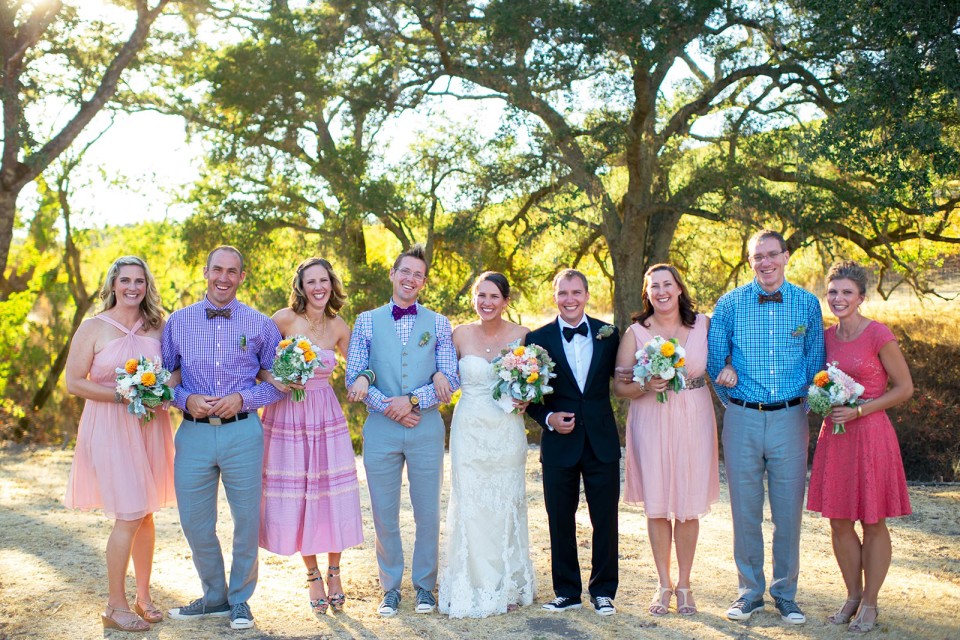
(53, 584)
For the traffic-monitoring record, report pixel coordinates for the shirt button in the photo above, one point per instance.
(771, 351)
(218, 364)
(771, 333)
(772, 372)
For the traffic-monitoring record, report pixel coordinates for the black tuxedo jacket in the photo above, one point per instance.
(594, 415)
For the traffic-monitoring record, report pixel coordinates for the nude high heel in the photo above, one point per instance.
(845, 613)
(859, 625)
(109, 622)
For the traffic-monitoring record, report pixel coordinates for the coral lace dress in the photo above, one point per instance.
(858, 475)
(121, 465)
(311, 496)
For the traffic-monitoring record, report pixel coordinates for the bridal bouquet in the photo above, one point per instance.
(143, 382)
(833, 388)
(663, 358)
(295, 361)
(523, 373)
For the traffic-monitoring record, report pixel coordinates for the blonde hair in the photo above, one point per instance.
(298, 298)
(150, 307)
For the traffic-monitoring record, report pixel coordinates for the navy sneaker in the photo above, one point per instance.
(789, 611)
(390, 603)
(603, 606)
(742, 609)
(240, 616)
(425, 601)
(561, 603)
(197, 609)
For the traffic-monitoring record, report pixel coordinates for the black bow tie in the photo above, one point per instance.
(773, 297)
(219, 313)
(569, 332)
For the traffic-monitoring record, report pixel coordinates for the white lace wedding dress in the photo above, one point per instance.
(486, 565)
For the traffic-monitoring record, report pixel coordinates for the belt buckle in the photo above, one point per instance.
(215, 421)
(759, 406)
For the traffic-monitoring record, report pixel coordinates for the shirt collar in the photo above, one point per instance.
(233, 305)
(563, 323)
(758, 290)
(393, 304)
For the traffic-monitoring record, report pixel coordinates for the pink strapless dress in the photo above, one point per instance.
(121, 465)
(858, 475)
(311, 496)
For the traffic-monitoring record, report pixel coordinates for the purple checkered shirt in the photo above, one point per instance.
(221, 356)
(359, 358)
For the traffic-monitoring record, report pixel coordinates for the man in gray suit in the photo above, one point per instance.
(398, 348)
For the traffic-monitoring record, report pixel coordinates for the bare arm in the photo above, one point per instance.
(624, 385)
(79, 361)
(900, 389)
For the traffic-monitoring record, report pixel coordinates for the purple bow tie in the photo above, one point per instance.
(399, 313)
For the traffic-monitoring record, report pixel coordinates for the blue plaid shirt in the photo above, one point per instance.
(775, 348)
(221, 356)
(358, 358)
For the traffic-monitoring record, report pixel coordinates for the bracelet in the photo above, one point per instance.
(643, 387)
(117, 397)
(369, 375)
(859, 411)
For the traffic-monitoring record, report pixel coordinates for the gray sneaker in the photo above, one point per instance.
(240, 616)
(742, 609)
(389, 604)
(425, 601)
(197, 609)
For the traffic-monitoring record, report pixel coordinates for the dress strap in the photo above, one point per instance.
(111, 321)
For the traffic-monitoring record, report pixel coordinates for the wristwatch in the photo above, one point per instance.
(414, 400)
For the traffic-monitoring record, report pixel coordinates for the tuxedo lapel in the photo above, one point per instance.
(555, 338)
(598, 347)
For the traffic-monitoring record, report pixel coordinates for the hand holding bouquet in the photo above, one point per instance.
(143, 382)
(294, 362)
(665, 359)
(523, 373)
(833, 388)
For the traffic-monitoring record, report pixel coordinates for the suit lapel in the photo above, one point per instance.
(598, 346)
(555, 338)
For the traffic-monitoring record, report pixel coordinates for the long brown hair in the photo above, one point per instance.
(298, 298)
(688, 316)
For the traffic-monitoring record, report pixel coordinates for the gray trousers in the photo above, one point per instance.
(775, 443)
(205, 455)
(387, 446)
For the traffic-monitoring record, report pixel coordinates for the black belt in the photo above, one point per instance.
(214, 420)
(767, 406)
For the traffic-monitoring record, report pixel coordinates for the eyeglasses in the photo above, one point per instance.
(416, 275)
(760, 257)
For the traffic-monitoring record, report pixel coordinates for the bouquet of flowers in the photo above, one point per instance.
(523, 373)
(833, 388)
(663, 358)
(294, 361)
(143, 382)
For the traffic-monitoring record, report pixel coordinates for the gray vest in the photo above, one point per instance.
(402, 368)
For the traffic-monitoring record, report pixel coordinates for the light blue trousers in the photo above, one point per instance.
(205, 455)
(775, 443)
(387, 446)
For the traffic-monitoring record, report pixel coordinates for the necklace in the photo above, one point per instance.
(496, 341)
(322, 324)
(856, 330)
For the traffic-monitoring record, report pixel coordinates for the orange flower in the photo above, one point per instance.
(148, 378)
(667, 349)
(285, 343)
(303, 344)
(822, 379)
(519, 351)
(533, 377)
(682, 362)
(131, 366)
(309, 356)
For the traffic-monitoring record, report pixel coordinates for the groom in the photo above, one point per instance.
(580, 440)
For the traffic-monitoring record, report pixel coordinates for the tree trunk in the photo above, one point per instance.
(53, 375)
(8, 211)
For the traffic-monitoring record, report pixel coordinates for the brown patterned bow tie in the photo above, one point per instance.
(773, 297)
(219, 313)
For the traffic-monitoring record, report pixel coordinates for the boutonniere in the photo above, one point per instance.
(800, 331)
(243, 341)
(425, 338)
(605, 331)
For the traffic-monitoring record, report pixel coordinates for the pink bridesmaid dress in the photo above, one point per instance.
(311, 496)
(121, 465)
(671, 455)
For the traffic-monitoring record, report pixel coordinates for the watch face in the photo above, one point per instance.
(414, 400)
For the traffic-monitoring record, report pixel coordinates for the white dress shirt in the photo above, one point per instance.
(579, 351)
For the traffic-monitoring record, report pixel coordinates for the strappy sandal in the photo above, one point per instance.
(685, 609)
(657, 606)
(337, 600)
(319, 605)
(150, 613)
(859, 625)
(109, 622)
(845, 613)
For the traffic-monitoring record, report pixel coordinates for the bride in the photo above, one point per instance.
(486, 566)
